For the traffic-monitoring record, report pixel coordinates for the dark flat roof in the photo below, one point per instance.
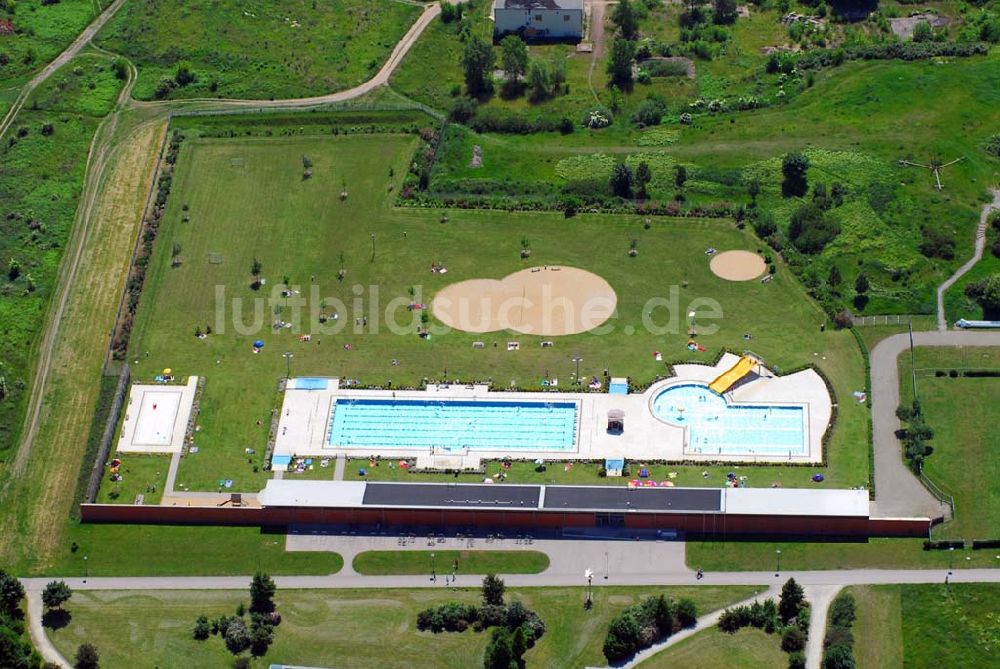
(619, 498)
(447, 494)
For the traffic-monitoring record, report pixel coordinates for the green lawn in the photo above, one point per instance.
(872, 554)
(270, 49)
(141, 474)
(966, 458)
(360, 628)
(878, 630)
(163, 550)
(300, 228)
(954, 626)
(469, 562)
(712, 649)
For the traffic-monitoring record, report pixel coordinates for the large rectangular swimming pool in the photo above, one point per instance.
(453, 425)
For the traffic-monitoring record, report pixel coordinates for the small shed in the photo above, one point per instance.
(616, 421)
(614, 466)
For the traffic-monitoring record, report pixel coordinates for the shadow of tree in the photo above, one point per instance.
(56, 619)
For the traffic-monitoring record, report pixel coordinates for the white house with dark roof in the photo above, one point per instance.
(539, 19)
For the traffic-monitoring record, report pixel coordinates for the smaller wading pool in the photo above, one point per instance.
(716, 427)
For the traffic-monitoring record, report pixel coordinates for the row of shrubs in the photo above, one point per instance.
(819, 58)
(140, 264)
(977, 544)
(838, 646)
(640, 626)
(970, 373)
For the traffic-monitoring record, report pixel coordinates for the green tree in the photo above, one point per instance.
(201, 628)
(14, 652)
(514, 59)
(861, 284)
(55, 594)
(753, 190)
(499, 654)
(838, 657)
(261, 637)
(539, 80)
(687, 613)
(11, 593)
(794, 167)
(620, 63)
(922, 32)
(518, 643)
(262, 589)
(625, 18)
(680, 176)
(622, 639)
(724, 12)
(834, 279)
(792, 597)
(987, 293)
(622, 180)
(663, 615)
(13, 269)
(184, 75)
(793, 640)
(87, 657)
(493, 586)
(642, 178)
(477, 63)
(237, 637)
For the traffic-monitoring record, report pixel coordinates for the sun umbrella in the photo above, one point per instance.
(258, 344)
(167, 370)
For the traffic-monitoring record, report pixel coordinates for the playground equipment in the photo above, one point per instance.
(728, 379)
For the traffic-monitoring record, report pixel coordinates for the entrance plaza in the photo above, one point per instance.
(761, 417)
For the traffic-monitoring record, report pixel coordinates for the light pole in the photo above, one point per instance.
(606, 565)
(433, 569)
(373, 247)
(692, 324)
(86, 570)
(951, 559)
(288, 355)
(589, 575)
(777, 569)
(577, 359)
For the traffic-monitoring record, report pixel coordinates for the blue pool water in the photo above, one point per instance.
(453, 424)
(305, 383)
(718, 428)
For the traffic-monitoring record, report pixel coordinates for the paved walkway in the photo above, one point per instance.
(977, 254)
(898, 492)
(819, 598)
(37, 631)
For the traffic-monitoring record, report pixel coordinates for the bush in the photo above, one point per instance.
(649, 112)
(793, 640)
(463, 109)
(937, 243)
(201, 628)
(794, 167)
(598, 117)
(811, 228)
(622, 640)
(993, 147)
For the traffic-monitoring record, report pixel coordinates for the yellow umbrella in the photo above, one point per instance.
(167, 370)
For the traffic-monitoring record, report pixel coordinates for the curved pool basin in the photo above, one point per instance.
(716, 427)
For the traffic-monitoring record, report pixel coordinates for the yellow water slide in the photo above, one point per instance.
(727, 379)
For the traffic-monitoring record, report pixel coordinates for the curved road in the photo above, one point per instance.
(977, 255)
(897, 491)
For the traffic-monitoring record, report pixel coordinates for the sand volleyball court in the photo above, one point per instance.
(550, 300)
(737, 265)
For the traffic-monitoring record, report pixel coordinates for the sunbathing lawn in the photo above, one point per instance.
(443, 562)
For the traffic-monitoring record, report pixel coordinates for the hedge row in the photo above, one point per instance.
(819, 58)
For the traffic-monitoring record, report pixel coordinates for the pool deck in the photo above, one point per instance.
(169, 425)
(305, 417)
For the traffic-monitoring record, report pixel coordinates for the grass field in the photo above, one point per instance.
(469, 562)
(307, 240)
(43, 31)
(141, 474)
(360, 628)
(878, 630)
(712, 649)
(872, 554)
(966, 458)
(292, 48)
(926, 626)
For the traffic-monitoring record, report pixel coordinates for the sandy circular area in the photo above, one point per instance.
(548, 300)
(737, 265)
